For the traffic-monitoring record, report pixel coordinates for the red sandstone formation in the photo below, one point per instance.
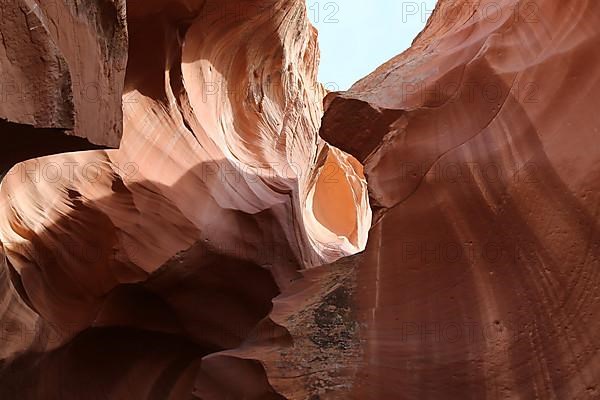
(63, 65)
(172, 248)
(210, 256)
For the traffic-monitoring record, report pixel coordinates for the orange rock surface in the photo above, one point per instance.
(172, 247)
(213, 255)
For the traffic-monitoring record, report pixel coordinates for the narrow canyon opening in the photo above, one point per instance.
(353, 41)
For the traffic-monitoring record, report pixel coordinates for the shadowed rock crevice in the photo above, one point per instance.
(28, 142)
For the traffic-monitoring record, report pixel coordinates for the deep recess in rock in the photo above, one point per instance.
(28, 142)
(213, 254)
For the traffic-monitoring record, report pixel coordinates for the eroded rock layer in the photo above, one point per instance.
(62, 67)
(171, 248)
(480, 146)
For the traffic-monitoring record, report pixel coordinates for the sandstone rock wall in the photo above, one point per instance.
(220, 193)
(213, 255)
(63, 65)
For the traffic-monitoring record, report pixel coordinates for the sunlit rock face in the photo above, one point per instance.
(212, 255)
(127, 271)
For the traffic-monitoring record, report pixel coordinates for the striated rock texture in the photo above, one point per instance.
(212, 255)
(480, 146)
(62, 64)
(128, 270)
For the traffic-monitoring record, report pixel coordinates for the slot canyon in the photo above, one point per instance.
(187, 213)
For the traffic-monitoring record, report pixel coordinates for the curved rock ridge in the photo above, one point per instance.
(157, 256)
